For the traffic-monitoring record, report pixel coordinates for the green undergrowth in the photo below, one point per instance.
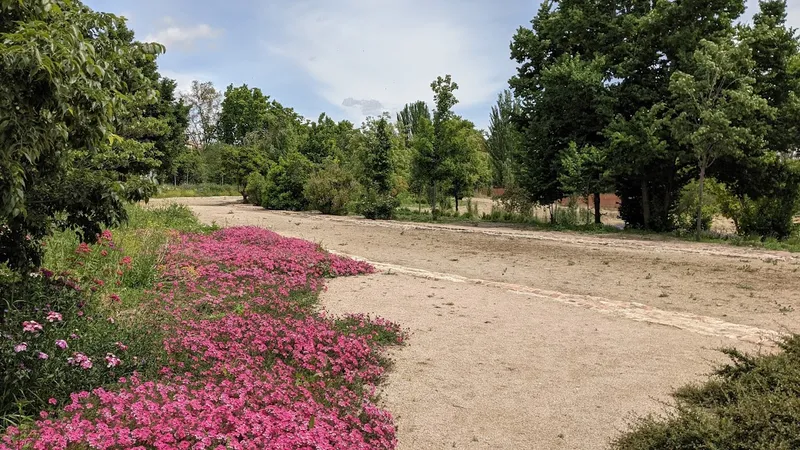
(751, 403)
(196, 190)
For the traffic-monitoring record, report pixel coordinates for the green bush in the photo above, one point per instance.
(768, 217)
(71, 331)
(686, 210)
(377, 206)
(256, 184)
(286, 182)
(751, 403)
(330, 189)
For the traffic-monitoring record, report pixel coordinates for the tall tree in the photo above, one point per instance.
(68, 75)
(378, 178)
(244, 110)
(467, 162)
(205, 103)
(504, 139)
(175, 114)
(410, 118)
(718, 114)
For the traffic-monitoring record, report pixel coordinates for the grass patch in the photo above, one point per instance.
(751, 403)
(196, 190)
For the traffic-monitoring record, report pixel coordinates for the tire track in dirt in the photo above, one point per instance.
(560, 237)
(639, 312)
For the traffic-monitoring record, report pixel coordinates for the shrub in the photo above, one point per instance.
(686, 210)
(377, 206)
(516, 200)
(768, 217)
(286, 182)
(254, 191)
(62, 333)
(750, 403)
(330, 189)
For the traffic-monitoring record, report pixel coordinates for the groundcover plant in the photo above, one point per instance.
(251, 363)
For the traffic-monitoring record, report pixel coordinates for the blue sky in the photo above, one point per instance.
(348, 58)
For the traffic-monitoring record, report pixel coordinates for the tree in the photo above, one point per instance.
(67, 75)
(467, 158)
(571, 103)
(244, 110)
(410, 118)
(286, 183)
(378, 201)
(718, 113)
(585, 172)
(204, 103)
(239, 162)
(504, 139)
(175, 114)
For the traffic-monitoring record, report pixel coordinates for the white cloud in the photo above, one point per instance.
(367, 55)
(182, 37)
(184, 80)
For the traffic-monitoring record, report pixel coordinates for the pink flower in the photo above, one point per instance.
(106, 235)
(62, 344)
(121, 346)
(99, 282)
(126, 261)
(74, 336)
(52, 401)
(103, 253)
(43, 414)
(111, 320)
(31, 327)
(21, 347)
(83, 248)
(112, 361)
(53, 316)
(115, 297)
(43, 355)
(79, 359)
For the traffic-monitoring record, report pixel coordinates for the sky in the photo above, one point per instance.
(347, 58)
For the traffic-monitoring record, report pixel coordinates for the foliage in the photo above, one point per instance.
(750, 403)
(504, 139)
(254, 190)
(204, 103)
(585, 172)
(409, 120)
(196, 190)
(71, 77)
(718, 114)
(286, 181)
(239, 162)
(244, 110)
(315, 384)
(686, 210)
(81, 332)
(330, 189)
(377, 200)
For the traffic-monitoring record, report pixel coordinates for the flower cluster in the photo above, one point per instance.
(252, 365)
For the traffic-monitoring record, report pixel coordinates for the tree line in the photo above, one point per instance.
(677, 107)
(280, 160)
(650, 99)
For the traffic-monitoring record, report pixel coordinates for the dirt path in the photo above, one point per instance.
(539, 340)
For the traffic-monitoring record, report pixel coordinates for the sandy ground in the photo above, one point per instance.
(526, 339)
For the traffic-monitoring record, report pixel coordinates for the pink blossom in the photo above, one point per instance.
(43, 355)
(62, 344)
(121, 346)
(112, 361)
(21, 347)
(31, 326)
(52, 401)
(53, 316)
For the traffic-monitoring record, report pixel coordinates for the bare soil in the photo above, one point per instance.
(527, 339)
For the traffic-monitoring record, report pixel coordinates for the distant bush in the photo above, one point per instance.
(751, 403)
(377, 206)
(285, 184)
(330, 189)
(686, 209)
(515, 200)
(256, 184)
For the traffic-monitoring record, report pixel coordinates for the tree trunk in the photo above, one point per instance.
(456, 197)
(645, 204)
(597, 220)
(701, 185)
(433, 199)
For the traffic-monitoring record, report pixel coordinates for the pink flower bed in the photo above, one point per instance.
(252, 368)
